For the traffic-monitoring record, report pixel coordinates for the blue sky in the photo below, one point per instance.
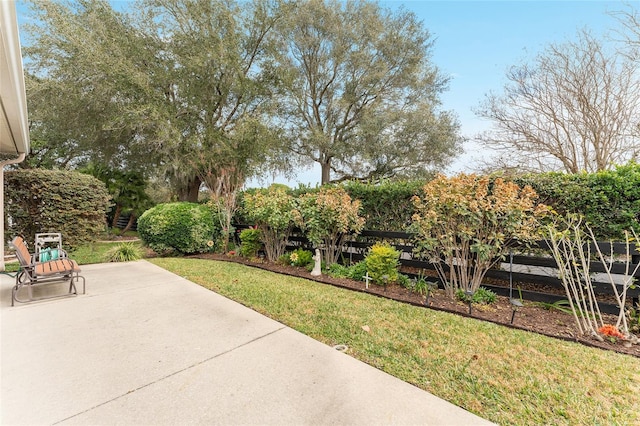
(477, 41)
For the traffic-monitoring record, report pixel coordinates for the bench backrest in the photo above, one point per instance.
(22, 252)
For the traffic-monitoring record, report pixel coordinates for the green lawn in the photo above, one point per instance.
(504, 375)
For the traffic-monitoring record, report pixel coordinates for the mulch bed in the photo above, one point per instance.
(531, 317)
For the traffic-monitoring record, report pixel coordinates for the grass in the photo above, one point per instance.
(504, 375)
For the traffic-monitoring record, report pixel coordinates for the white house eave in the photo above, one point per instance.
(14, 128)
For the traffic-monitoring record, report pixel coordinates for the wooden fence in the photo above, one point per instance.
(539, 269)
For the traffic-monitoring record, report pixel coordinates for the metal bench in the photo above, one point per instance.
(34, 272)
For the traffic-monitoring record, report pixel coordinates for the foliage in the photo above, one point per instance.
(386, 206)
(124, 252)
(301, 257)
(609, 200)
(361, 92)
(327, 217)
(357, 271)
(464, 225)
(338, 270)
(179, 227)
(127, 190)
(250, 242)
(482, 295)
(177, 87)
(71, 203)
(382, 263)
(272, 212)
(633, 319)
(574, 108)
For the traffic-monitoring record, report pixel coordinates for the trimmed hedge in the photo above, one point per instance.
(609, 200)
(72, 203)
(179, 227)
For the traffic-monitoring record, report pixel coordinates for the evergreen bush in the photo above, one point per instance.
(181, 227)
(382, 263)
(71, 203)
(250, 242)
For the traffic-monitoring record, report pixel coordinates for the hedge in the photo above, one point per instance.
(71, 203)
(609, 200)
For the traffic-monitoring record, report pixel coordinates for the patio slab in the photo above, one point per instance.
(145, 346)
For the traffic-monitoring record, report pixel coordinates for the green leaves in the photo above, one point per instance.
(179, 227)
(71, 203)
(382, 263)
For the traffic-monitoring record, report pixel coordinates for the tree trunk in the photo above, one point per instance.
(326, 172)
(132, 220)
(190, 191)
(116, 216)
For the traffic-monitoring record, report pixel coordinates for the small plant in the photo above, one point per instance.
(404, 281)
(337, 270)
(633, 319)
(382, 263)
(610, 331)
(357, 271)
(251, 242)
(301, 258)
(124, 252)
(482, 295)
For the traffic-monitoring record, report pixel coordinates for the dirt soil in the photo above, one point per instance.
(530, 317)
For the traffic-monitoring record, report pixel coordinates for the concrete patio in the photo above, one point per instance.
(147, 347)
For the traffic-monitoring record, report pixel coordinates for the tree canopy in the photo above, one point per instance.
(362, 95)
(219, 91)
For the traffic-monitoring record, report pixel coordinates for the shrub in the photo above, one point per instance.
(179, 227)
(464, 225)
(124, 252)
(386, 206)
(250, 242)
(71, 203)
(357, 271)
(608, 200)
(482, 295)
(337, 270)
(382, 263)
(301, 257)
(272, 211)
(327, 217)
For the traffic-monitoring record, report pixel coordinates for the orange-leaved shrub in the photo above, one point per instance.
(465, 224)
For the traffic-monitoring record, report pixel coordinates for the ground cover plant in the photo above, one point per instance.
(507, 376)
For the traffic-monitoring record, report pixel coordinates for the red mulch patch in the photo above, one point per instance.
(531, 317)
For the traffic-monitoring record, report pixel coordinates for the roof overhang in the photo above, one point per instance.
(14, 127)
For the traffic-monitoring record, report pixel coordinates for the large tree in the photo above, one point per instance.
(178, 85)
(362, 96)
(575, 107)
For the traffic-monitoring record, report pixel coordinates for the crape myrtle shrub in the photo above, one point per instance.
(180, 227)
(71, 203)
(608, 200)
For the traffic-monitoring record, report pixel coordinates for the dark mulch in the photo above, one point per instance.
(531, 317)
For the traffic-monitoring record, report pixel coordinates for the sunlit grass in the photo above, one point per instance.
(507, 376)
